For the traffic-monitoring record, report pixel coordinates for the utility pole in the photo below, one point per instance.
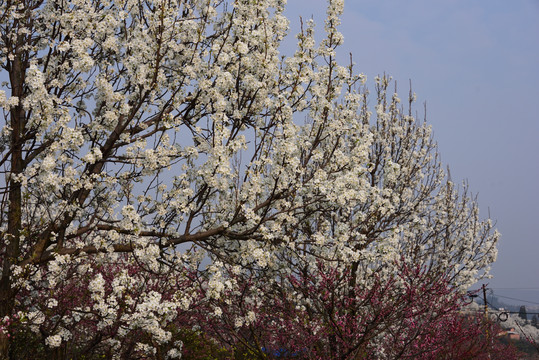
(486, 313)
(485, 301)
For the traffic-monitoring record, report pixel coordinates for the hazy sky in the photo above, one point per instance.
(475, 63)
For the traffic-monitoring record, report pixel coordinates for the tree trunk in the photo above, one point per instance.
(7, 294)
(4, 347)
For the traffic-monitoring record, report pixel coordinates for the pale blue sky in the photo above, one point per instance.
(475, 63)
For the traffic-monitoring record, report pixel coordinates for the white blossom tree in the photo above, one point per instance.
(156, 133)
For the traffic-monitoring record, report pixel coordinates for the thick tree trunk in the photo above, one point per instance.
(4, 347)
(7, 295)
(12, 236)
(14, 216)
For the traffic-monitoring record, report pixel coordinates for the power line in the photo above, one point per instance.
(516, 288)
(527, 301)
(518, 312)
(508, 297)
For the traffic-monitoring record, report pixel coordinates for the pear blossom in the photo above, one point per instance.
(166, 158)
(53, 341)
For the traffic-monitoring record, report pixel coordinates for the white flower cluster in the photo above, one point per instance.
(53, 341)
(177, 134)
